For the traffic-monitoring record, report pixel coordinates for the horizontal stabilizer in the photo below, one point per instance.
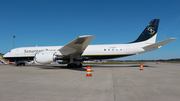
(158, 44)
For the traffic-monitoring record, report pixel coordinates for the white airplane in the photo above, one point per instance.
(79, 49)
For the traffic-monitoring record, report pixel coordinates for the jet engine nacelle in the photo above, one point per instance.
(44, 57)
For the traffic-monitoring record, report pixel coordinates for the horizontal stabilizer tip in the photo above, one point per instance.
(86, 36)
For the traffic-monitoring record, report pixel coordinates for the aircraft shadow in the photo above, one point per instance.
(53, 67)
(62, 67)
(117, 66)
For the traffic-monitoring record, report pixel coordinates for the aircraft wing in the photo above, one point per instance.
(76, 47)
(158, 44)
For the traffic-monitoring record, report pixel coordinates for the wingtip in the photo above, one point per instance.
(173, 38)
(86, 36)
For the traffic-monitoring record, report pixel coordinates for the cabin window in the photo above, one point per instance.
(113, 50)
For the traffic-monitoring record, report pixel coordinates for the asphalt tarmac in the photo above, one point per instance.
(117, 82)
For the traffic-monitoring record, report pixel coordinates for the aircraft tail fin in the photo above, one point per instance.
(150, 32)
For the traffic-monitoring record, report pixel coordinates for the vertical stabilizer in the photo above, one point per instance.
(150, 32)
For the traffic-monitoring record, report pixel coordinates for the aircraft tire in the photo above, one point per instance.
(74, 65)
(80, 65)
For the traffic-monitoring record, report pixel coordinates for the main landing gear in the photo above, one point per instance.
(74, 65)
(19, 63)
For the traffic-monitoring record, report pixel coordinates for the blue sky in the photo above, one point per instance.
(57, 22)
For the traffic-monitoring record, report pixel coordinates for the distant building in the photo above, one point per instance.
(1, 54)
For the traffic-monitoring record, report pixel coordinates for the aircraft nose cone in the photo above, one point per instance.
(6, 55)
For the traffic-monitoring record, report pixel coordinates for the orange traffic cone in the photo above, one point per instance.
(141, 66)
(88, 71)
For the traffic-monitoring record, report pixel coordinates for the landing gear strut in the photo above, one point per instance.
(74, 65)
